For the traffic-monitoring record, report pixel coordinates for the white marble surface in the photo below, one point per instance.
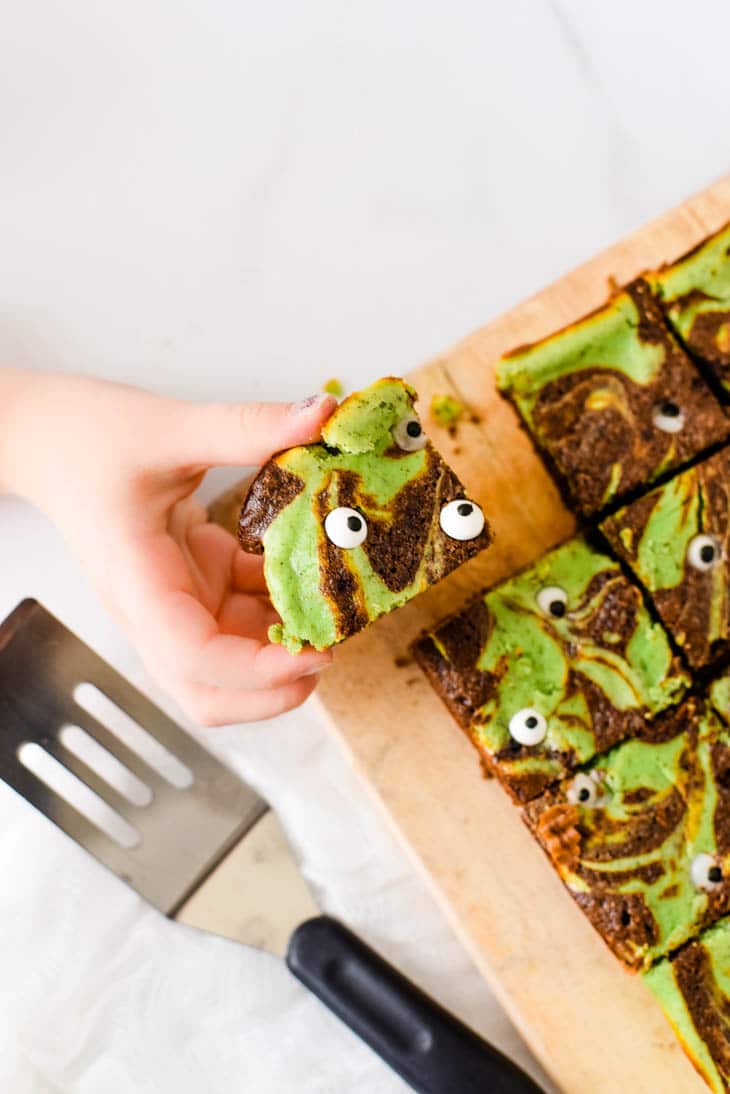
(237, 200)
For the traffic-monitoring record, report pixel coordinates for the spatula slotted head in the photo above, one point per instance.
(187, 818)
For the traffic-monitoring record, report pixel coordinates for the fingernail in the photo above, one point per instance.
(312, 401)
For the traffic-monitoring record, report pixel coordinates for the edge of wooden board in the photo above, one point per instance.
(592, 1025)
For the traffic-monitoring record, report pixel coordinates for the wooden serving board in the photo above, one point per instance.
(593, 1026)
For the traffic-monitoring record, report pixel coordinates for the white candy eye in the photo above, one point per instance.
(704, 552)
(552, 600)
(461, 519)
(408, 434)
(345, 527)
(584, 790)
(705, 873)
(668, 416)
(528, 726)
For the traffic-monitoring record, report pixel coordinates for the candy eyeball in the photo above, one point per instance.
(668, 416)
(461, 519)
(704, 552)
(552, 600)
(528, 726)
(345, 527)
(705, 873)
(585, 790)
(408, 434)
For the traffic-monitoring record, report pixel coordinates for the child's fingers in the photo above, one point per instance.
(189, 641)
(218, 706)
(248, 573)
(245, 434)
(250, 616)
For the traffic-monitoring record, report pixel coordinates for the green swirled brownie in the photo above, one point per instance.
(552, 667)
(641, 836)
(358, 524)
(695, 293)
(612, 401)
(676, 540)
(693, 989)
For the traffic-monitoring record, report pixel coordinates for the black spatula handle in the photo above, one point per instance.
(425, 1044)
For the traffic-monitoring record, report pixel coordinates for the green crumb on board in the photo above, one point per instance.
(334, 387)
(446, 410)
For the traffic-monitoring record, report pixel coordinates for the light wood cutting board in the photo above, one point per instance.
(594, 1026)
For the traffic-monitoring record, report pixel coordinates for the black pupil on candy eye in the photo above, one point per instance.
(464, 509)
(714, 874)
(669, 409)
(413, 429)
(584, 794)
(707, 553)
(531, 722)
(557, 607)
(354, 524)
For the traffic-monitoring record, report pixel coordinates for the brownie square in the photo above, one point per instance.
(641, 837)
(676, 539)
(612, 401)
(693, 989)
(357, 524)
(552, 667)
(695, 295)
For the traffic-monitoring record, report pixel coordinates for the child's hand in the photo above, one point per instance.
(114, 467)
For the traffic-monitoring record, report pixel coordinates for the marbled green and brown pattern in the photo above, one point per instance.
(596, 673)
(693, 989)
(695, 294)
(590, 396)
(324, 593)
(654, 535)
(626, 857)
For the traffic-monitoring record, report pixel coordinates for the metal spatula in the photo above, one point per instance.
(216, 844)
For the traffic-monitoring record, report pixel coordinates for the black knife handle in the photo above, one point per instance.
(427, 1046)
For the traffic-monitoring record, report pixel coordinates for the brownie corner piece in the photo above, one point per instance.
(695, 295)
(641, 835)
(613, 400)
(551, 667)
(356, 525)
(693, 990)
(676, 540)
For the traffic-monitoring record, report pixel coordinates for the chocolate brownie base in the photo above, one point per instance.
(693, 989)
(676, 540)
(695, 294)
(641, 837)
(552, 667)
(613, 401)
(360, 523)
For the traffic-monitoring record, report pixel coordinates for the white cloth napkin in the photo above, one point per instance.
(99, 994)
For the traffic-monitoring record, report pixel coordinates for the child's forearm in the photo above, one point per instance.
(42, 416)
(16, 424)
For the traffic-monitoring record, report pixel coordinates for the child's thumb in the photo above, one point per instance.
(247, 434)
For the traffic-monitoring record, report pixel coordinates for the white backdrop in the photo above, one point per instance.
(236, 200)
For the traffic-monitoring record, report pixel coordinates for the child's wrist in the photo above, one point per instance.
(24, 403)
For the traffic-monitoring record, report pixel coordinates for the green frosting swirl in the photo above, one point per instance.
(697, 289)
(656, 811)
(700, 1018)
(654, 534)
(608, 338)
(324, 593)
(594, 673)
